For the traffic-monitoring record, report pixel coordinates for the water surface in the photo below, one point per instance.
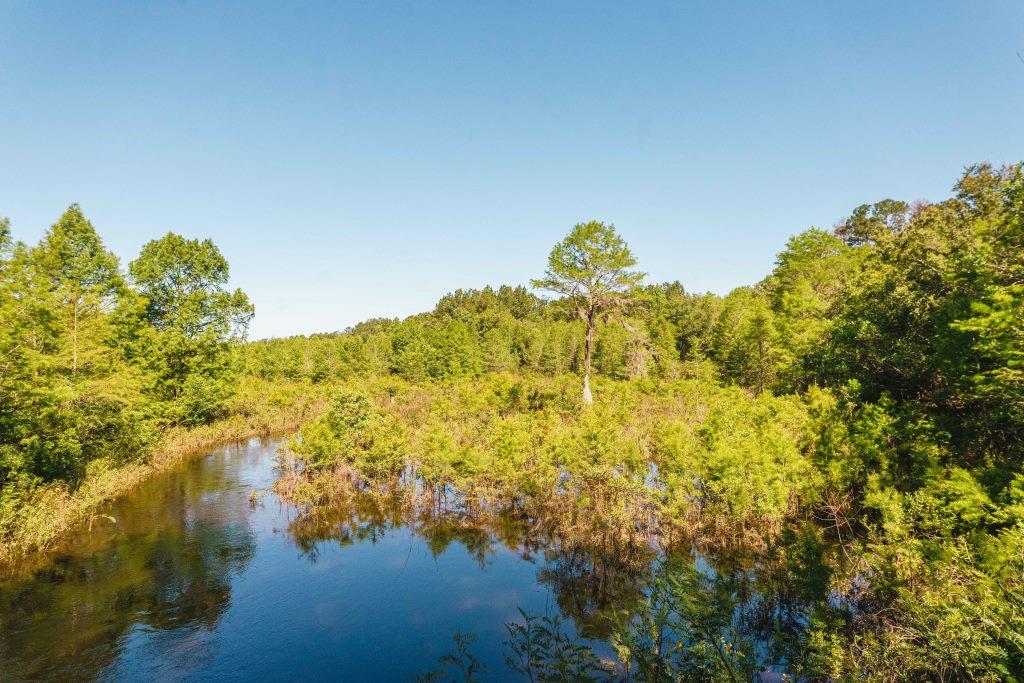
(191, 581)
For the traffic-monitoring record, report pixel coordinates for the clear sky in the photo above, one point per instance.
(356, 160)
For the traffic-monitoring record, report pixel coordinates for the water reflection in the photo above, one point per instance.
(759, 602)
(165, 563)
(192, 581)
(588, 586)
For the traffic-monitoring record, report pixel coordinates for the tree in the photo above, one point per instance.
(81, 279)
(195, 319)
(12, 365)
(868, 223)
(812, 274)
(591, 269)
(745, 343)
(68, 395)
(997, 320)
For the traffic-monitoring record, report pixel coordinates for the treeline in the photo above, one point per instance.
(509, 329)
(95, 362)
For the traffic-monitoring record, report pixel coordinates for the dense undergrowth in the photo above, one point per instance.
(647, 459)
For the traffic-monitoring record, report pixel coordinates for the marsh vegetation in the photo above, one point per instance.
(819, 475)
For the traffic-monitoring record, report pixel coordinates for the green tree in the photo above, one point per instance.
(195, 321)
(929, 318)
(81, 280)
(67, 392)
(997, 320)
(811, 275)
(746, 339)
(591, 268)
(870, 222)
(13, 375)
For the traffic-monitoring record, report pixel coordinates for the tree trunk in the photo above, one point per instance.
(588, 397)
(760, 366)
(74, 339)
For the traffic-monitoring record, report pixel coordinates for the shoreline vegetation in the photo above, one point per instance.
(54, 511)
(853, 425)
(643, 464)
(108, 374)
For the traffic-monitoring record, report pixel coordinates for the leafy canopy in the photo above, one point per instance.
(183, 281)
(592, 267)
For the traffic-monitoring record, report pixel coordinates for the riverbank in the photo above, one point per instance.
(260, 408)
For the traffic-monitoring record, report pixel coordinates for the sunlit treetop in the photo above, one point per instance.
(592, 266)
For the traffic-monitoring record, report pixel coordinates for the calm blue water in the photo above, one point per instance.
(193, 582)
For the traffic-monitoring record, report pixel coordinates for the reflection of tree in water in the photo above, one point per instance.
(761, 601)
(167, 564)
(362, 518)
(588, 585)
(368, 517)
(780, 590)
(593, 588)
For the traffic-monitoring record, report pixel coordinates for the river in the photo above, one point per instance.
(192, 580)
(193, 577)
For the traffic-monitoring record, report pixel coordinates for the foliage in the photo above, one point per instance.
(350, 429)
(192, 321)
(541, 650)
(93, 367)
(684, 631)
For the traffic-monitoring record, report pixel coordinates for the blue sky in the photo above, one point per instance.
(355, 160)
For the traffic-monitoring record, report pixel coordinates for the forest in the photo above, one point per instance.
(852, 426)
